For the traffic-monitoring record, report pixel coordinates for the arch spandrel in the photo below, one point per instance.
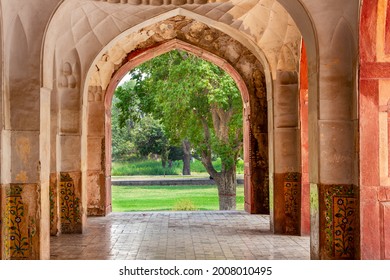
(91, 25)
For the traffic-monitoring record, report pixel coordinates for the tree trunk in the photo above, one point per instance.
(164, 157)
(227, 184)
(186, 157)
(226, 179)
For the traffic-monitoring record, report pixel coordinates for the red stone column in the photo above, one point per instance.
(374, 141)
(304, 123)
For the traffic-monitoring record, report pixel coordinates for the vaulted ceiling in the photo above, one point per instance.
(91, 28)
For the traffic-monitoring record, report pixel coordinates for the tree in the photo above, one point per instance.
(122, 146)
(198, 102)
(134, 132)
(128, 104)
(149, 138)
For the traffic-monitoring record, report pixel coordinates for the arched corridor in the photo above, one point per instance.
(313, 77)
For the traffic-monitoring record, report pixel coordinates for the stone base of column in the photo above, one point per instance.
(259, 195)
(287, 203)
(339, 236)
(20, 224)
(96, 194)
(54, 213)
(259, 178)
(70, 202)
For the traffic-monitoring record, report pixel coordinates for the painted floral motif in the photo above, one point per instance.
(343, 226)
(340, 222)
(70, 209)
(16, 239)
(292, 198)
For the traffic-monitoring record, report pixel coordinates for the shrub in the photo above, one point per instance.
(184, 205)
(153, 167)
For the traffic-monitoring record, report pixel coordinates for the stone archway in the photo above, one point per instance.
(143, 55)
(274, 63)
(167, 35)
(68, 143)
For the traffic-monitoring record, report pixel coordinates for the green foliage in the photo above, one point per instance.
(163, 198)
(184, 205)
(175, 153)
(149, 137)
(144, 168)
(154, 167)
(128, 107)
(195, 100)
(122, 145)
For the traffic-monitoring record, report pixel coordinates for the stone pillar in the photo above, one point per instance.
(304, 124)
(98, 169)
(256, 166)
(25, 191)
(55, 225)
(333, 121)
(247, 172)
(334, 187)
(256, 134)
(44, 173)
(286, 198)
(68, 176)
(24, 151)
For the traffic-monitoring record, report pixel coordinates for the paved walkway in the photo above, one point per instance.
(220, 235)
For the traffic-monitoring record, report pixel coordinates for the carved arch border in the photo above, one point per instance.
(154, 51)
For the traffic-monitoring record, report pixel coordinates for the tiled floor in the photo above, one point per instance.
(179, 235)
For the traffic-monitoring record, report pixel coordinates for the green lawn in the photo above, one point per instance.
(163, 198)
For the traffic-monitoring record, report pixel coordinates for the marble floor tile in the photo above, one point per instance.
(207, 235)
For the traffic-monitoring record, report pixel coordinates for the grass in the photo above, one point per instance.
(167, 198)
(154, 167)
